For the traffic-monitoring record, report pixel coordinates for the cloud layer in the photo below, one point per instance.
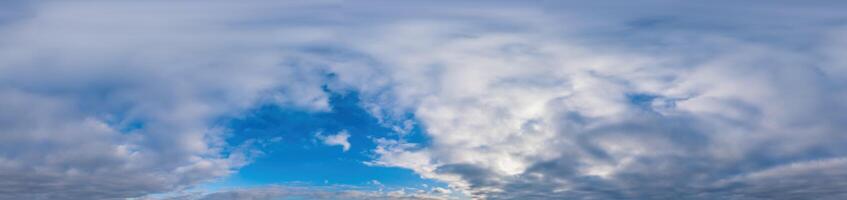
(119, 99)
(320, 192)
(556, 100)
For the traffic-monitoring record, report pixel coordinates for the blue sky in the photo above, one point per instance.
(293, 154)
(446, 100)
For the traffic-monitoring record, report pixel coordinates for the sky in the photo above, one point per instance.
(451, 100)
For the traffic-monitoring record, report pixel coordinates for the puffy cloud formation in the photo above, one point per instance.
(647, 100)
(339, 139)
(657, 105)
(119, 99)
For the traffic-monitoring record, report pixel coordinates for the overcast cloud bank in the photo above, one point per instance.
(647, 100)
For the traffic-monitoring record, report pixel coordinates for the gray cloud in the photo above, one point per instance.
(109, 100)
(319, 192)
(671, 100)
(615, 107)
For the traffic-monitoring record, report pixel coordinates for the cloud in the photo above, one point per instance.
(550, 101)
(104, 100)
(339, 139)
(540, 113)
(318, 192)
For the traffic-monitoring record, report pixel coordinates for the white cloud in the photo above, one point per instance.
(520, 113)
(93, 90)
(339, 139)
(527, 102)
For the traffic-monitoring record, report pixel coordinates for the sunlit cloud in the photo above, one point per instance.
(647, 99)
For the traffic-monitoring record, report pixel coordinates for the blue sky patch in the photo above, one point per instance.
(298, 155)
